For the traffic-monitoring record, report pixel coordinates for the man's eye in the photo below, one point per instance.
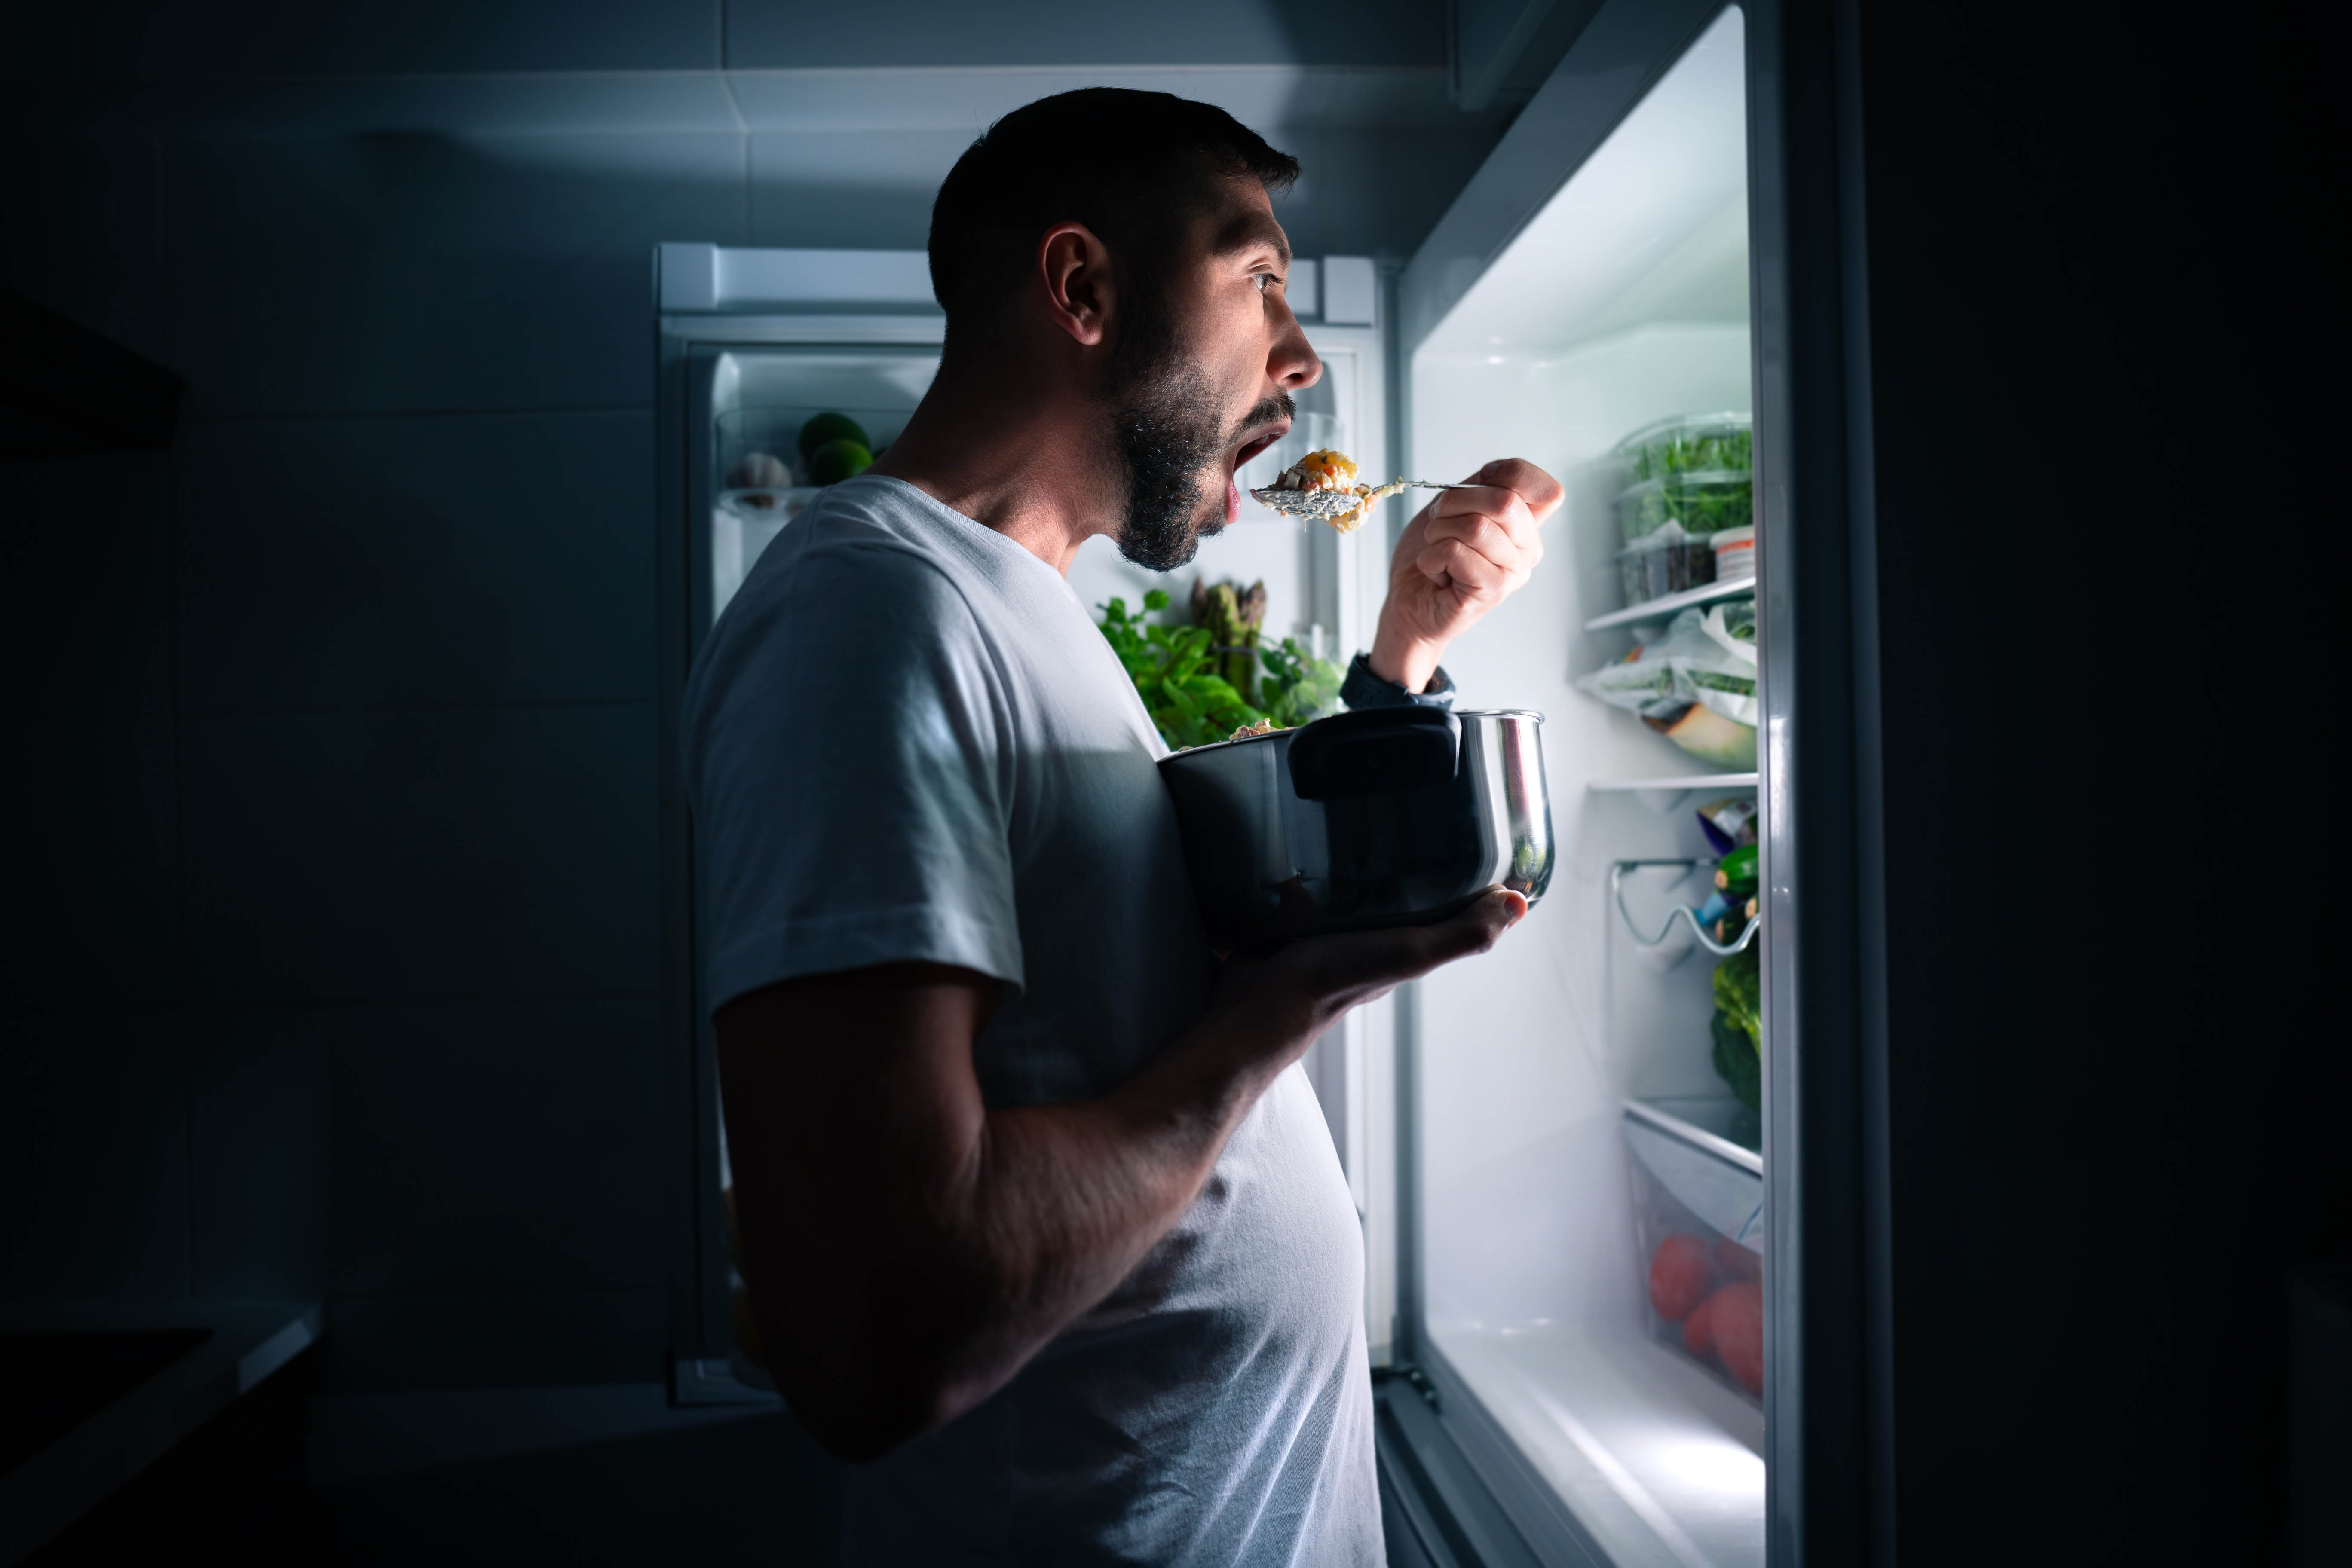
(1265, 279)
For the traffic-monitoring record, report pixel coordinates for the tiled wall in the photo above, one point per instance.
(329, 830)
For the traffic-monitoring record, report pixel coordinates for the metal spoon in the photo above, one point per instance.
(1334, 506)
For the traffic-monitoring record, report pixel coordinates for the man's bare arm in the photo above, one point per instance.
(909, 1248)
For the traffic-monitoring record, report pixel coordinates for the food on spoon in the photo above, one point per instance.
(1324, 469)
(1322, 484)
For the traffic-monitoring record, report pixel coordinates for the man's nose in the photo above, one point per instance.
(1296, 366)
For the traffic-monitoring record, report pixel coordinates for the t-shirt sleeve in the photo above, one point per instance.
(848, 762)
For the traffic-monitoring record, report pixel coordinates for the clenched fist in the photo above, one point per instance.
(1467, 551)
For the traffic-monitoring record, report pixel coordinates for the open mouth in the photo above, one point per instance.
(1248, 450)
(1259, 443)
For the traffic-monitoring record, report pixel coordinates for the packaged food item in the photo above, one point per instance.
(1735, 552)
(1664, 562)
(1728, 824)
(1695, 685)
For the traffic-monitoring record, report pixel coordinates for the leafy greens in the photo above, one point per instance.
(1183, 676)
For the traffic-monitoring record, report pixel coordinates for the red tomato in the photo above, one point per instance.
(1735, 1313)
(1734, 1262)
(1680, 1277)
(1698, 1333)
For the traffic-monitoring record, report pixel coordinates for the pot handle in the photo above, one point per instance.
(1373, 751)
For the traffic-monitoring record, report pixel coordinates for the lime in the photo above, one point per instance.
(836, 461)
(827, 427)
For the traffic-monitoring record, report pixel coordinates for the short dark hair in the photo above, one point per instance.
(1134, 167)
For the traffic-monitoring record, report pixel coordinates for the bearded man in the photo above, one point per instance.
(1046, 1228)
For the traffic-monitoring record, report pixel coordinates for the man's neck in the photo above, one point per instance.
(1030, 463)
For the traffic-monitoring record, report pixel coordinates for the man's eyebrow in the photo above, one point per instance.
(1251, 228)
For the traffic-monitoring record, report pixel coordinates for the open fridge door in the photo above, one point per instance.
(1587, 1254)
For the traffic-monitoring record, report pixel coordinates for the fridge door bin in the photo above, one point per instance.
(1698, 1188)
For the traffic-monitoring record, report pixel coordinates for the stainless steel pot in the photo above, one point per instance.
(1385, 817)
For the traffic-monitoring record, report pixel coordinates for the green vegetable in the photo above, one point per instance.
(1738, 1063)
(1183, 679)
(1738, 1025)
(1298, 687)
(1735, 873)
(1715, 681)
(827, 427)
(837, 460)
(1232, 619)
(1684, 453)
(1702, 506)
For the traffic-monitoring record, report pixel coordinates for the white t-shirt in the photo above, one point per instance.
(907, 740)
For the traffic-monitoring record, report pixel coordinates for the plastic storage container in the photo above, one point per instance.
(1703, 503)
(1687, 444)
(1734, 553)
(1666, 561)
(1698, 1216)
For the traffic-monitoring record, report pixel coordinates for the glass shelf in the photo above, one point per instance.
(1662, 795)
(1660, 609)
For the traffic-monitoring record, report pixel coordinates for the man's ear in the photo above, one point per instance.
(1075, 268)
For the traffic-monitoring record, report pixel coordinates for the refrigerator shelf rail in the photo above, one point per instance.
(1673, 942)
(1662, 795)
(1668, 605)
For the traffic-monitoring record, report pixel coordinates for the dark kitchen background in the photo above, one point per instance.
(329, 793)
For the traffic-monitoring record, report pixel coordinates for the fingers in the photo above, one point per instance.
(1539, 489)
(1344, 964)
(1503, 530)
(1455, 564)
(1496, 542)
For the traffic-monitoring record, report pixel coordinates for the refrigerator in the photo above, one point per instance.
(1637, 1143)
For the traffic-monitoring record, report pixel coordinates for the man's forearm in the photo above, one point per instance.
(963, 1242)
(909, 1250)
(1065, 1201)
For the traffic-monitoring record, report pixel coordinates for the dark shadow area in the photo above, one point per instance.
(50, 1383)
(752, 1491)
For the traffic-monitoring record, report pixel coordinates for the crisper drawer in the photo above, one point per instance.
(1698, 1214)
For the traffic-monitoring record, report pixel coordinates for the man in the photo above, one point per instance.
(1038, 1217)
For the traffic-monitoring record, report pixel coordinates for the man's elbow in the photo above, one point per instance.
(861, 1409)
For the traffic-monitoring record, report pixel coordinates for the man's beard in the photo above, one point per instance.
(1165, 425)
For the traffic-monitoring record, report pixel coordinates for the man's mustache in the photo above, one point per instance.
(1278, 407)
